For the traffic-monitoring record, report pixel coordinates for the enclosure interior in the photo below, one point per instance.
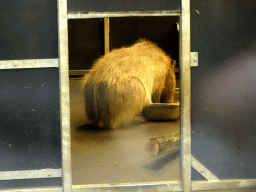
(118, 156)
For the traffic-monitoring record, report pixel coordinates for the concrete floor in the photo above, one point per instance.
(117, 156)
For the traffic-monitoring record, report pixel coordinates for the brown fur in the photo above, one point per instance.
(124, 81)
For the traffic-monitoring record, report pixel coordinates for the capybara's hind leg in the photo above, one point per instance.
(123, 118)
(170, 84)
(128, 104)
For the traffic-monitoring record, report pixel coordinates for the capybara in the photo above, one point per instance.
(122, 82)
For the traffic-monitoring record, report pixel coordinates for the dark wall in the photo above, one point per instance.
(224, 86)
(160, 30)
(124, 5)
(85, 41)
(29, 120)
(86, 37)
(28, 29)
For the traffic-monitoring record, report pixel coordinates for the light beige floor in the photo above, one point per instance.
(117, 156)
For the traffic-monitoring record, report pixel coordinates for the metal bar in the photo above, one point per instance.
(84, 15)
(194, 59)
(30, 174)
(78, 72)
(37, 189)
(106, 34)
(185, 86)
(140, 187)
(200, 168)
(82, 72)
(162, 186)
(64, 96)
(224, 184)
(29, 63)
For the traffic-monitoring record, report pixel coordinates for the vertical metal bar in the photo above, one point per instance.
(64, 96)
(185, 84)
(106, 34)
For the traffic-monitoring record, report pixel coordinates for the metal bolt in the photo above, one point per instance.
(49, 174)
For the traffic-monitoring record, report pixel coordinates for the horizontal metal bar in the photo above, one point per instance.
(78, 72)
(157, 186)
(84, 15)
(30, 174)
(200, 168)
(37, 189)
(83, 72)
(29, 63)
(224, 184)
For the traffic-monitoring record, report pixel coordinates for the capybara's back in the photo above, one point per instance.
(124, 81)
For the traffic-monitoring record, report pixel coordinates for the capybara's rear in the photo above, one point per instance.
(124, 81)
